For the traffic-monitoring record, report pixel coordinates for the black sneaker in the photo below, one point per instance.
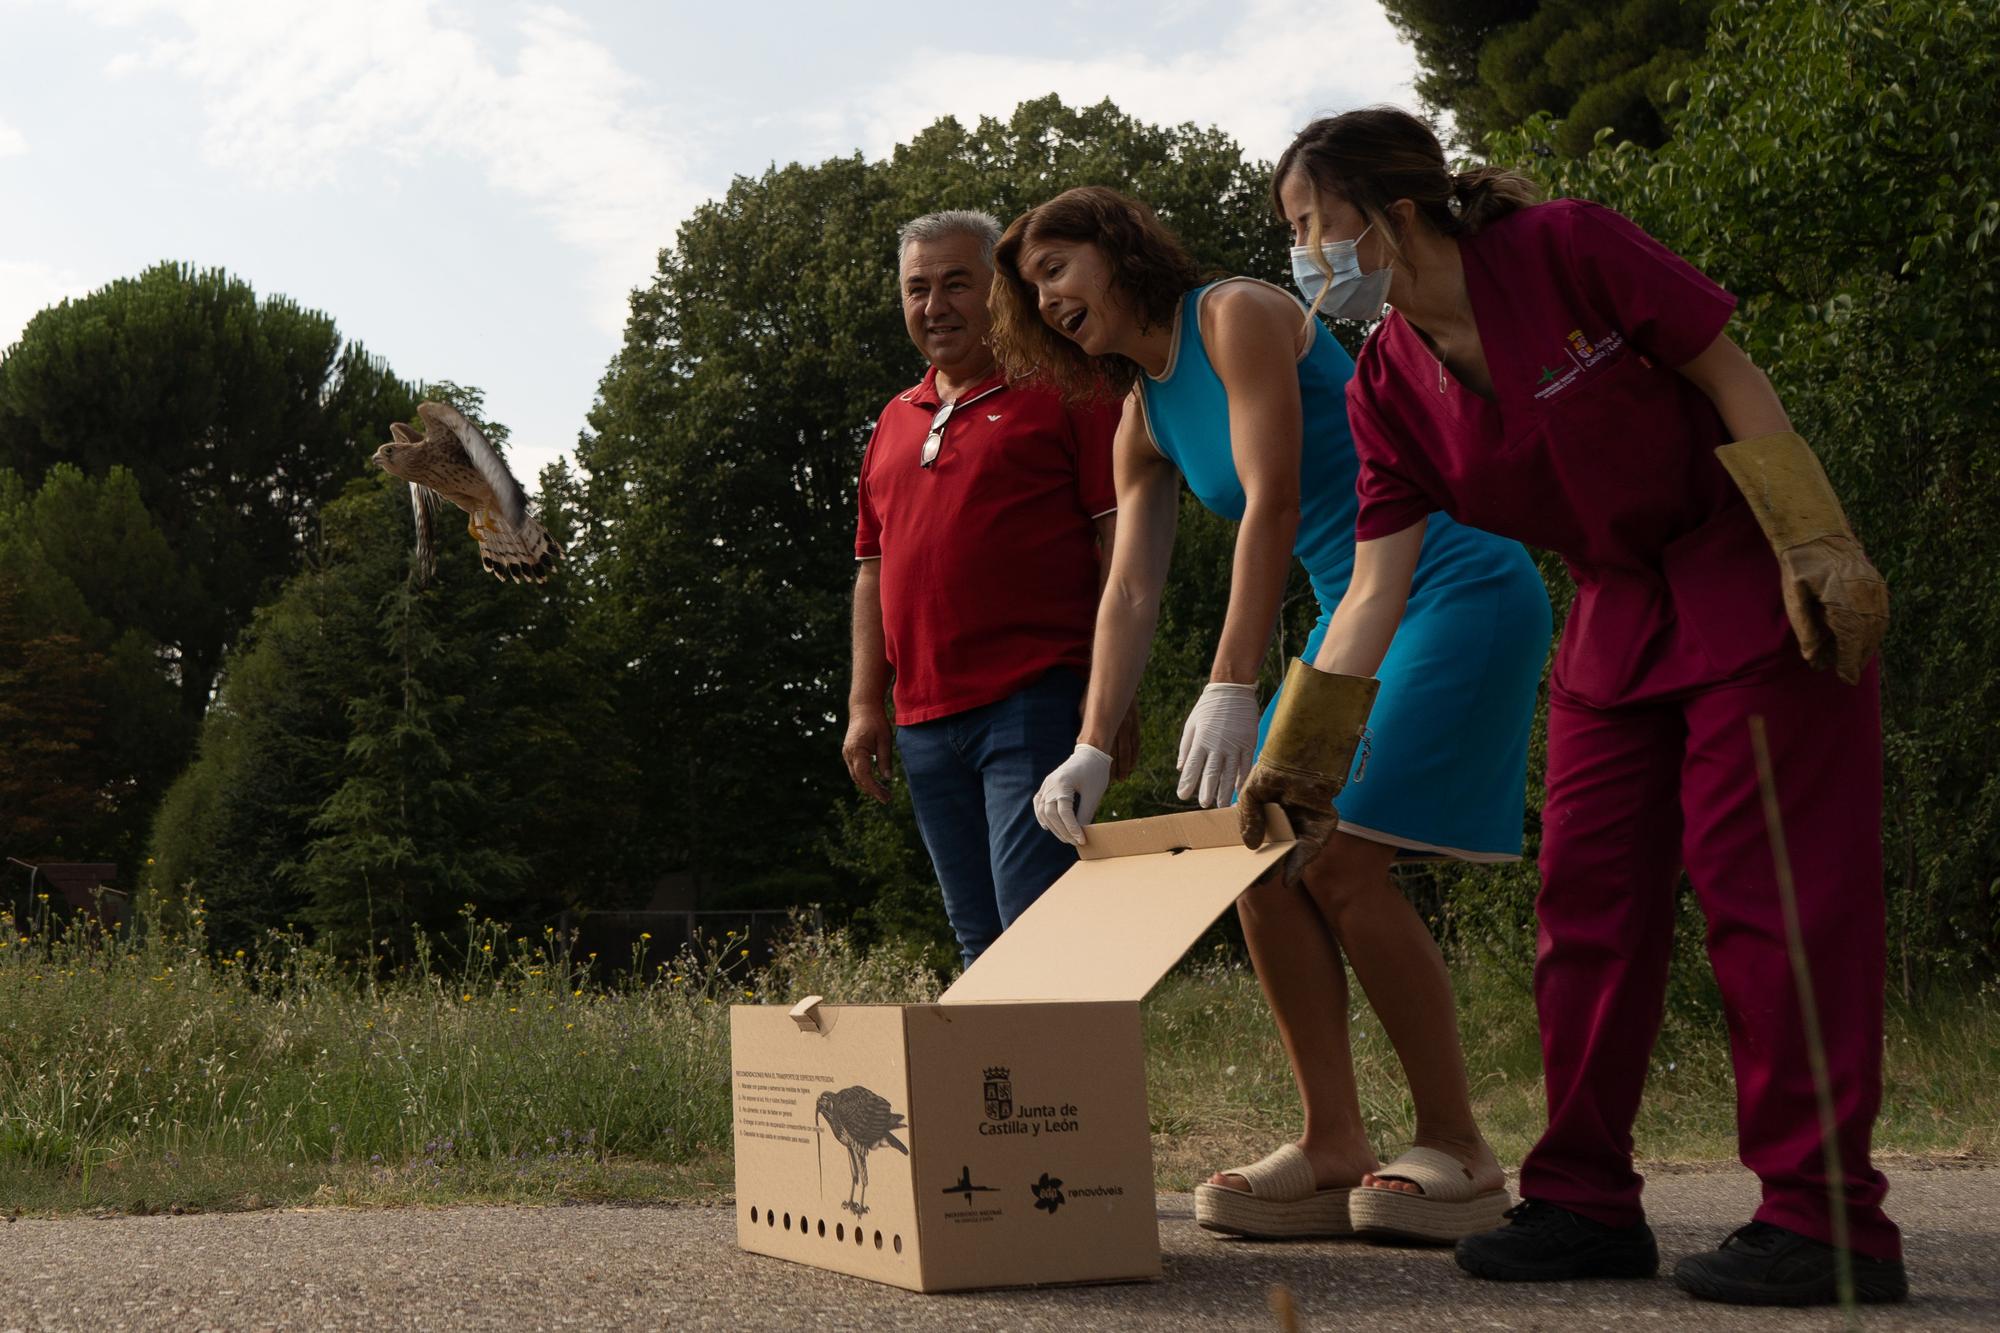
(1763, 1264)
(1544, 1243)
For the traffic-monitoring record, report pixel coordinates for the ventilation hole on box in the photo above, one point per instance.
(770, 1218)
(860, 1237)
(840, 1231)
(878, 1240)
(899, 1245)
(1175, 851)
(822, 1228)
(753, 1215)
(788, 1221)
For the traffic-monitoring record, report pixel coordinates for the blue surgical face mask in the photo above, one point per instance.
(1351, 294)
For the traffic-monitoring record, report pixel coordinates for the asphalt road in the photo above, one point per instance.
(678, 1267)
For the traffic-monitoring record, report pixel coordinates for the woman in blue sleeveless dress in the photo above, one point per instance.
(1233, 387)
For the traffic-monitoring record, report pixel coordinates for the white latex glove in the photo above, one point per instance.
(1218, 742)
(1069, 796)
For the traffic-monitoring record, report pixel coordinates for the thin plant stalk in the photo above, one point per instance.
(1795, 945)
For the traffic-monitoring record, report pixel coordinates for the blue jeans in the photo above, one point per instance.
(973, 778)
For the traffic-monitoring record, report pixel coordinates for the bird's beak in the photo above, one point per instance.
(380, 458)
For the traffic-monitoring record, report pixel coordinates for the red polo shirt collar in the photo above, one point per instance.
(925, 393)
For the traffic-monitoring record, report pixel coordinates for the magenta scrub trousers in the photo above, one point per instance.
(1635, 794)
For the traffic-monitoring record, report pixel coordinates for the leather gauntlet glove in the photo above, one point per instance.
(1306, 758)
(1837, 602)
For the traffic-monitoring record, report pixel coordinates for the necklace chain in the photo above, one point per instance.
(1437, 355)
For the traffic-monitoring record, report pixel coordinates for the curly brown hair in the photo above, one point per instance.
(1150, 268)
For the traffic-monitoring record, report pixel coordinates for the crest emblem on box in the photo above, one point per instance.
(999, 1093)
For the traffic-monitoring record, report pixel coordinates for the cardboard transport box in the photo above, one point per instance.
(998, 1137)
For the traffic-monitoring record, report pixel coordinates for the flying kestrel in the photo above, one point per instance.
(453, 461)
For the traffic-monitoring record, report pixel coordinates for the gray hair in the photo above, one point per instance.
(974, 222)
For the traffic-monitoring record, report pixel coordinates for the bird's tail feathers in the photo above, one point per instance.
(523, 554)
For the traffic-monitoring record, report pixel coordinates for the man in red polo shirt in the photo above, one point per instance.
(987, 517)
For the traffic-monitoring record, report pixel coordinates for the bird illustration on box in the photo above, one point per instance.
(453, 460)
(861, 1122)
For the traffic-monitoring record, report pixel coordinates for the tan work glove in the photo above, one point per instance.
(1837, 601)
(1305, 760)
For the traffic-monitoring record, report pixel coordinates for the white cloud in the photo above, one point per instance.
(1279, 65)
(293, 91)
(26, 288)
(12, 142)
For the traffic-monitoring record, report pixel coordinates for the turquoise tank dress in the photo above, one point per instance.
(1446, 772)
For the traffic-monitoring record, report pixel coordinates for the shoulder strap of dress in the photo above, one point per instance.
(1305, 344)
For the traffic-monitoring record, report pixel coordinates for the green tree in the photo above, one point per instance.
(724, 450)
(52, 805)
(1838, 167)
(237, 417)
(1595, 64)
(1448, 36)
(381, 754)
(88, 568)
(235, 824)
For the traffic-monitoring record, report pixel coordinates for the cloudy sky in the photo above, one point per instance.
(471, 189)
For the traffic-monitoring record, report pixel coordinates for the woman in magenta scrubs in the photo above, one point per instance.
(1550, 373)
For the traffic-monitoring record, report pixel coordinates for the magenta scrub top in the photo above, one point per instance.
(1593, 447)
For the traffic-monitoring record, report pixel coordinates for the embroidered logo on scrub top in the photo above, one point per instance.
(1578, 355)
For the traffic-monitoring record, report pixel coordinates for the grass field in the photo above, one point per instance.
(150, 1076)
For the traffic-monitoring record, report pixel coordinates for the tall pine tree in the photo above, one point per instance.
(1591, 64)
(237, 417)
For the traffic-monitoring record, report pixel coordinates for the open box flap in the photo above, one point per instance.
(1122, 916)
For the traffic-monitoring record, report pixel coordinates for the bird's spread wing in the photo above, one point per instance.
(426, 503)
(479, 451)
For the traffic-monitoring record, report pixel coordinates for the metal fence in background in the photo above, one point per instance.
(608, 940)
